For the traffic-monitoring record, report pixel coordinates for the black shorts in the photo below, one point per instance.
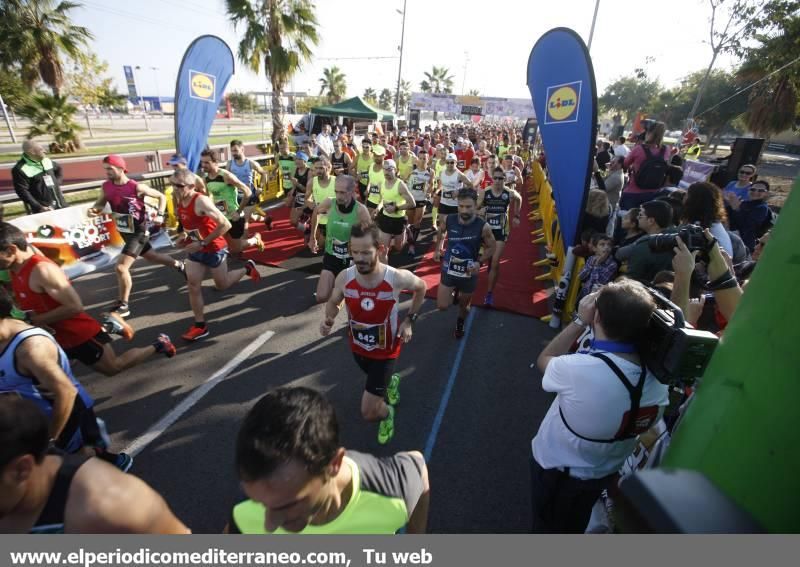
(323, 229)
(499, 235)
(464, 285)
(237, 229)
(91, 351)
(362, 190)
(421, 204)
(447, 209)
(371, 205)
(136, 243)
(378, 371)
(334, 264)
(391, 225)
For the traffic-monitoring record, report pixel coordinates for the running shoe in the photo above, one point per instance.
(393, 390)
(252, 271)
(121, 308)
(164, 346)
(459, 331)
(386, 428)
(259, 242)
(123, 461)
(489, 299)
(114, 324)
(195, 333)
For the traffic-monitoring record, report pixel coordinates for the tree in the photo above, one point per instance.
(53, 116)
(333, 84)
(242, 102)
(385, 99)
(39, 32)
(280, 34)
(370, 95)
(438, 80)
(719, 86)
(629, 95)
(305, 104)
(773, 102)
(405, 96)
(474, 92)
(15, 93)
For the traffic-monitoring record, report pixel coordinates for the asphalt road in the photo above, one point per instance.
(487, 395)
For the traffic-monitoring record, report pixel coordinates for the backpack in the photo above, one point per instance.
(653, 171)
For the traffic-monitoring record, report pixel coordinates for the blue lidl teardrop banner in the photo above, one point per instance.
(206, 68)
(561, 82)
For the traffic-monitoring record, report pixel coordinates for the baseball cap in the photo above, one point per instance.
(404, 134)
(117, 161)
(389, 163)
(378, 150)
(451, 157)
(177, 159)
(301, 155)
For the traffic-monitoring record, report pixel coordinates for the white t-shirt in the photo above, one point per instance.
(621, 150)
(593, 401)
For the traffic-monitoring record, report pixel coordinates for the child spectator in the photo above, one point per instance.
(630, 226)
(600, 268)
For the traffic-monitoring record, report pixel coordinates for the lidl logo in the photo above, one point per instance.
(562, 103)
(202, 85)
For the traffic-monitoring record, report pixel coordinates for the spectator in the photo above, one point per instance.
(593, 424)
(325, 140)
(301, 480)
(703, 206)
(597, 212)
(643, 264)
(753, 217)
(674, 176)
(44, 492)
(615, 180)
(646, 170)
(600, 268)
(603, 155)
(620, 149)
(36, 180)
(674, 198)
(741, 185)
(630, 224)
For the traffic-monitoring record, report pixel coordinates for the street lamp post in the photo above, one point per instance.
(141, 103)
(158, 91)
(400, 67)
(594, 20)
(5, 117)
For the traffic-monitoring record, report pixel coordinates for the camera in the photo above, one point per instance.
(691, 234)
(675, 353)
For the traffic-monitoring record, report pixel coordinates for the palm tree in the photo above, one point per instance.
(40, 31)
(280, 33)
(385, 99)
(333, 84)
(53, 115)
(437, 81)
(405, 95)
(370, 95)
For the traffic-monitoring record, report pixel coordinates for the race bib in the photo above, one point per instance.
(340, 249)
(222, 206)
(194, 235)
(48, 181)
(287, 176)
(300, 198)
(458, 267)
(124, 222)
(496, 221)
(449, 194)
(374, 189)
(364, 177)
(418, 187)
(461, 164)
(368, 337)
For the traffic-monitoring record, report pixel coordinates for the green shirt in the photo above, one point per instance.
(225, 197)
(337, 236)
(385, 493)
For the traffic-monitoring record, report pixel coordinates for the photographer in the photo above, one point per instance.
(655, 217)
(647, 163)
(605, 397)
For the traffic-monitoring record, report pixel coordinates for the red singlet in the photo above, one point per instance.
(373, 316)
(203, 226)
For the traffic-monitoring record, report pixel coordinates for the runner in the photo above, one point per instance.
(464, 233)
(287, 166)
(207, 249)
(475, 173)
(421, 187)
(42, 289)
(343, 213)
(301, 480)
(243, 167)
(511, 171)
(340, 160)
(396, 200)
(450, 182)
(439, 165)
(488, 169)
(371, 292)
(177, 161)
(33, 366)
(320, 187)
(50, 493)
(376, 180)
(125, 197)
(483, 152)
(296, 198)
(495, 203)
(223, 188)
(361, 168)
(464, 154)
(405, 162)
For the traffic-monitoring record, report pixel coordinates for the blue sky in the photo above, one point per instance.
(490, 41)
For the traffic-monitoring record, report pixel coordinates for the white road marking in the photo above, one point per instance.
(138, 445)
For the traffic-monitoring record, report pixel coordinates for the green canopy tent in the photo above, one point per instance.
(356, 109)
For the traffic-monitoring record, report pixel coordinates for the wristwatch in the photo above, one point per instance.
(412, 317)
(578, 321)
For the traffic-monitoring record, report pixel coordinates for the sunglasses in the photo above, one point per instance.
(746, 172)
(180, 185)
(450, 163)
(499, 178)
(752, 190)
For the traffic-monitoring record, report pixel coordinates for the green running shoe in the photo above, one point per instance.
(386, 428)
(393, 391)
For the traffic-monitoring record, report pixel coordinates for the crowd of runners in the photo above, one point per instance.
(354, 204)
